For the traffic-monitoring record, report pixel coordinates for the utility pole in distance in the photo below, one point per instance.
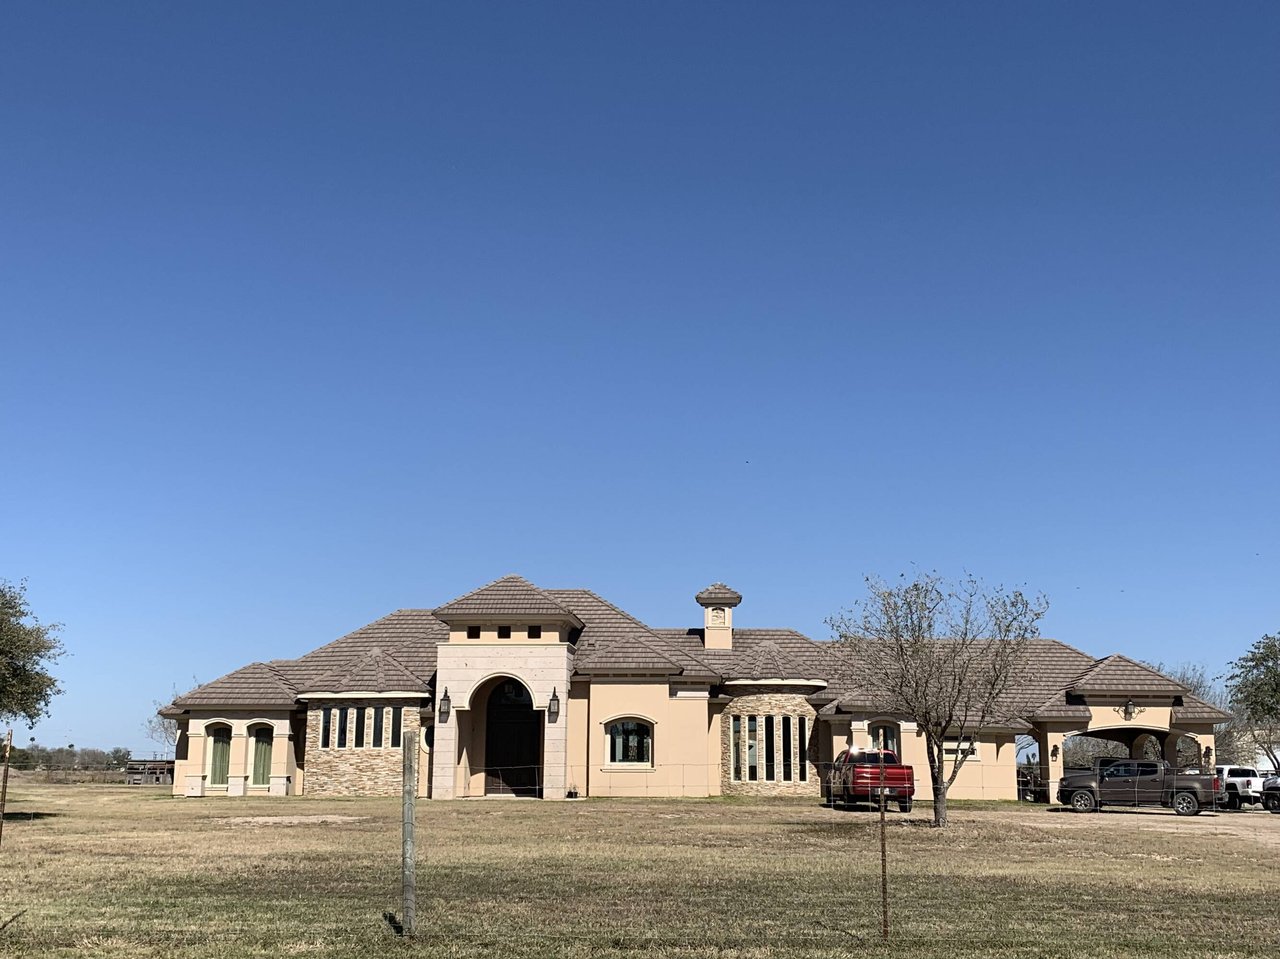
(409, 872)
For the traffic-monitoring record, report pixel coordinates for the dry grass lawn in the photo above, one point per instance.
(116, 872)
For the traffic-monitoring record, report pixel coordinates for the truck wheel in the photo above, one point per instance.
(1233, 801)
(1271, 802)
(1082, 801)
(1186, 804)
(904, 805)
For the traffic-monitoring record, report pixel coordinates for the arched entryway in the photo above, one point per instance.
(512, 741)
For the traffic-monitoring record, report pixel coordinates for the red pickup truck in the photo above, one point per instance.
(856, 777)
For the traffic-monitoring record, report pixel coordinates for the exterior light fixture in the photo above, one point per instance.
(444, 707)
(553, 707)
(1053, 753)
(1208, 755)
(1130, 710)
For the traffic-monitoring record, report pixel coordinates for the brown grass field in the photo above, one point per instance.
(113, 872)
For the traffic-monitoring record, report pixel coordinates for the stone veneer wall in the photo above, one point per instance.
(776, 701)
(352, 771)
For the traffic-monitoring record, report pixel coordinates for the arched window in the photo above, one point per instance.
(219, 754)
(630, 742)
(891, 734)
(717, 616)
(262, 739)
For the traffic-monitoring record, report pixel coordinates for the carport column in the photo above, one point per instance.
(1170, 748)
(444, 759)
(1048, 741)
(555, 747)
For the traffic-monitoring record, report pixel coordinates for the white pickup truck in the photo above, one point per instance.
(1242, 784)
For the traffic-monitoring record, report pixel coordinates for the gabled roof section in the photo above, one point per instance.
(1122, 675)
(1196, 710)
(510, 596)
(611, 637)
(795, 655)
(377, 671)
(410, 634)
(258, 684)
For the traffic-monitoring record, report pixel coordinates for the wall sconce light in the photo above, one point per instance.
(553, 707)
(444, 707)
(1208, 755)
(1054, 752)
(1130, 710)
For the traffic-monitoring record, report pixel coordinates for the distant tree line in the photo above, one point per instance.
(36, 757)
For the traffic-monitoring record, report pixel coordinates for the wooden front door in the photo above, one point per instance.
(512, 742)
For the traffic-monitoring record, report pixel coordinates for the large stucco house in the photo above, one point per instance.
(516, 690)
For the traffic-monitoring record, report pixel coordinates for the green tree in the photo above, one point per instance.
(120, 756)
(949, 656)
(1254, 684)
(28, 649)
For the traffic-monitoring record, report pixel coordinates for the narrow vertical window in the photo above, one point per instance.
(360, 711)
(786, 749)
(768, 749)
(220, 757)
(326, 726)
(736, 752)
(396, 718)
(803, 743)
(342, 727)
(262, 737)
(753, 753)
(377, 726)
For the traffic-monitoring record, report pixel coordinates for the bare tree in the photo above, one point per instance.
(161, 729)
(949, 656)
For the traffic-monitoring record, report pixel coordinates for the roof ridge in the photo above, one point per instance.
(510, 579)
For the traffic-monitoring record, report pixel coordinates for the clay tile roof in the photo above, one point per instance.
(718, 594)
(764, 663)
(378, 672)
(613, 640)
(1195, 709)
(1120, 674)
(508, 596)
(258, 684)
(791, 655)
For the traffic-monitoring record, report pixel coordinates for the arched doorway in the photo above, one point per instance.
(512, 742)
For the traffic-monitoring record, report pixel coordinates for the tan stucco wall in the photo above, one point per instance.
(191, 774)
(683, 726)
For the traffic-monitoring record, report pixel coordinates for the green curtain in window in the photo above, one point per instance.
(220, 761)
(262, 756)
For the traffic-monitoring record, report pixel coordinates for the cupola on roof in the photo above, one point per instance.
(718, 594)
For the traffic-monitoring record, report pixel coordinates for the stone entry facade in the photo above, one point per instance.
(363, 770)
(776, 702)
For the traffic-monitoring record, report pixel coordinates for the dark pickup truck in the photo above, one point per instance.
(859, 777)
(1137, 782)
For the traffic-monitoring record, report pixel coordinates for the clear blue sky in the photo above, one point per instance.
(310, 312)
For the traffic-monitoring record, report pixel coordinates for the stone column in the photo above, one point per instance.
(238, 776)
(555, 743)
(444, 759)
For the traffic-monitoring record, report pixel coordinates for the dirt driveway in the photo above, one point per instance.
(1246, 826)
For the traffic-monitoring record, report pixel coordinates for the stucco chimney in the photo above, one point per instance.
(717, 602)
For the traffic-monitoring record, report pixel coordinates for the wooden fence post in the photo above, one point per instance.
(409, 872)
(4, 785)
